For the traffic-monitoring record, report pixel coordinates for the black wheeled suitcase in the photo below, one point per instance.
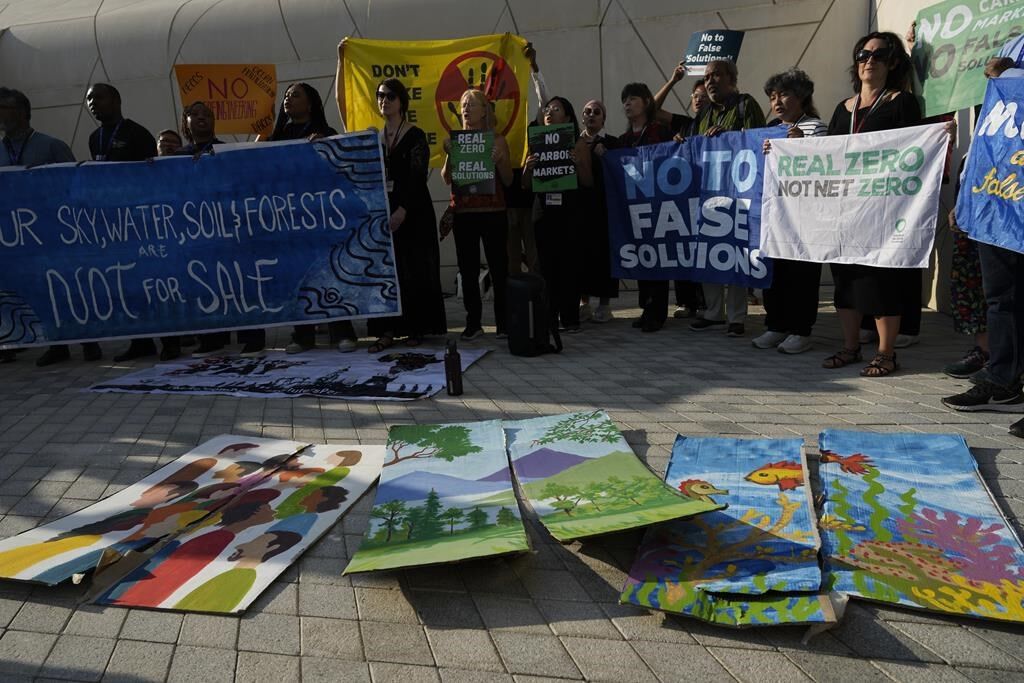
(529, 325)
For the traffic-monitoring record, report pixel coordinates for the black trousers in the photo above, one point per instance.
(910, 294)
(306, 334)
(652, 297)
(470, 229)
(791, 303)
(558, 249)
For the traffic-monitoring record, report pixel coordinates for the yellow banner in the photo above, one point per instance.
(242, 96)
(437, 72)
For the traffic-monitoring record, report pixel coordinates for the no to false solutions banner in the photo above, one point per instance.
(871, 198)
(990, 207)
(954, 41)
(251, 236)
(437, 72)
(690, 210)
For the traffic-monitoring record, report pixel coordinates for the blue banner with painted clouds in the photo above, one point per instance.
(990, 207)
(690, 210)
(251, 236)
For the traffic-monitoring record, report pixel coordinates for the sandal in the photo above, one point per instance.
(881, 365)
(381, 344)
(413, 341)
(842, 358)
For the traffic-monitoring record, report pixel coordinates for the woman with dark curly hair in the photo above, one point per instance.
(880, 72)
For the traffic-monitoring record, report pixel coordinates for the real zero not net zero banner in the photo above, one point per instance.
(241, 96)
(954, 41)
(690, 210)
(870, 199)
(252, 236)
(436, 73)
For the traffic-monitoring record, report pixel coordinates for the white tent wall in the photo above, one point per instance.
(52, 49)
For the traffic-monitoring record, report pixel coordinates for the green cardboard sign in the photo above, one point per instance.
(555, 171)
(471, 163)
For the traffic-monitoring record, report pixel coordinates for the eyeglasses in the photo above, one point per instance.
(881, 54)
(389, 96)
(552, 110)
(592, 112)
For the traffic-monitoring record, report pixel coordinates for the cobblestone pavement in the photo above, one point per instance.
(550, 614)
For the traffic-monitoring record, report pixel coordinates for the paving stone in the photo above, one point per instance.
(577, 619)
(384, 672)
(279, 598)
(258, 667)
(80, 658)
(138, 662)
(464, 649)
(96, 620)
(445, 609)
(825, 667)
(8, 608)
(607, 660)
(42, 618)
(208, 630)
(384, 605)
(323, 600)
(467, 676)
(870, 638)
(527, 653)
(397, 643)
(157, 627)
(640, 624)
(23, 653)
(960, 647)
(333, 638)
(273, 633)
(978, 675)
(323, 670)
(504, 614)
(679, 663)
(921, 672)
(206, 664)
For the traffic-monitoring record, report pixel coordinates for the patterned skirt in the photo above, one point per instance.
(966, 293)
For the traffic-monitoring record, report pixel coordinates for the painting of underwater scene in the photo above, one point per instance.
(754, 563)
(445, 495)
(908, 520)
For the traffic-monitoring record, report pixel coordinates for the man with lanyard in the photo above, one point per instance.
(24, 146)
(121, 139)
(729, 110)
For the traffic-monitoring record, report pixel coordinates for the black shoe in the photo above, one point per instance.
(54, 354)
(638, 323)
(471, 333)
(187, 340)
(705, 324)
(139, 348)
(986, 396)
(651, 326)
(736, 330)
(1017, 428)
(973, 361)
(205, 349)
(7, 356)
(170, 352)
(91, 351)
(252, 350)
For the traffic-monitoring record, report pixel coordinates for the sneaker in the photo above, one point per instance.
(347, 345)
(905, 340)
(205, 350)
(736, 330)
(794, 343)
(867, 336)
(471, 333)
(704, 324)
(586, 312)
(252, 350)
(972, 361)
(682, 312)
(986, 396)
(769, 339)
(1017, 428)
(54, 354)
(296, 347)
(602, 314)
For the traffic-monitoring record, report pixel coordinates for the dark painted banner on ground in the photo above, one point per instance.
(990, 207)
(954, 41)
(690, 210)
(251, 236)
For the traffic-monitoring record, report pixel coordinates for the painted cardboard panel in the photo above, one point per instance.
(227, 560)
(445, 495)
(908, 520)
(752, 564)
(183, 492)
(582, 478)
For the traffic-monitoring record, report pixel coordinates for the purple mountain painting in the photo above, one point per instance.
(413, 486)
(538, 465)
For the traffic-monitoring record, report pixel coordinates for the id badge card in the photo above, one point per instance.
(553, 199)
(389, 186)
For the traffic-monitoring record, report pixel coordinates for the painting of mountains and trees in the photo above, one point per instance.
(445, 495)
(582, 478)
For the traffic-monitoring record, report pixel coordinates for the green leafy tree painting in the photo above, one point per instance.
(447, 442)
(506, 517)
(452, 516)
(566, 497)
(582, 428)
(477, 518)
(595, 493)
(391, 514)
(431, 524)
(411, 522)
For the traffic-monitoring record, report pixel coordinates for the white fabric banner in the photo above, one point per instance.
(871, 198)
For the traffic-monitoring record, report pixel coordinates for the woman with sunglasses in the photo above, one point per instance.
(481, 218)
(597, 277)
(413, 225)
(880, 75)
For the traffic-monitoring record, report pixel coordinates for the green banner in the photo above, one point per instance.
(472, 165)
(954, 41)
(555, 170)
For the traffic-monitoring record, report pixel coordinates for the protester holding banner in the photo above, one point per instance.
(791, 303)
(301, 116)
(880, 73)
(689, 294)
(729, 109)
(413, 225)
(596, 249)
(481, 218)
(557, 228)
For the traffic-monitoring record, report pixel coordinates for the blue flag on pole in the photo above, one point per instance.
(251, 236)
(990, 206)
(690, 210)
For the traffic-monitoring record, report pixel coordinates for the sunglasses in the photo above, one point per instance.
(881, 54)
(389, 96)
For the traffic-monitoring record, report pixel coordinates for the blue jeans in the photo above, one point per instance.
(1002, 274)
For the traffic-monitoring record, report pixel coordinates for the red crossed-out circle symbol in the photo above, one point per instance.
(488, 72)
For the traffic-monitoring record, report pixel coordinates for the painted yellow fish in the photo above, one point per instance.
(786, 474)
